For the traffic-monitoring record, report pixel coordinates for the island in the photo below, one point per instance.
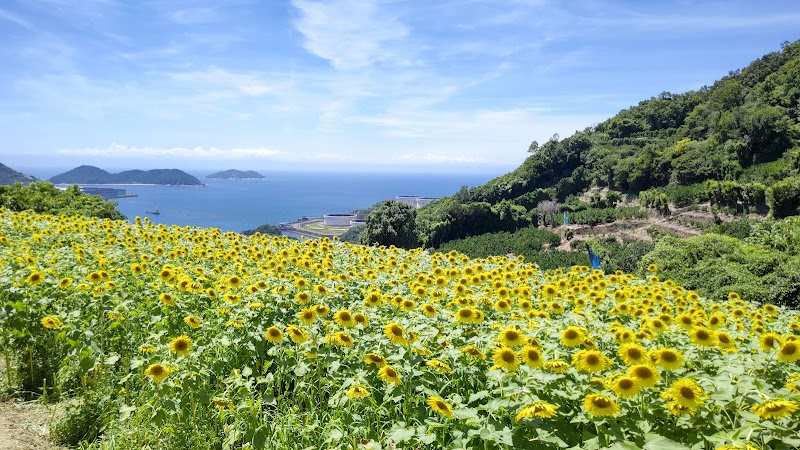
(234, 174)
(10, 176)
(94, 175)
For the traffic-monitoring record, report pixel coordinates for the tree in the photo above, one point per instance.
(534, 147)
(391, 223)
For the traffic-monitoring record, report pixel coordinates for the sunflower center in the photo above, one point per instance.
(669, 356)
(592, 360)
(644, 373)
(626, 383)
(441, 405)
(533, 355)
(789, 349)
(396, 330)
(181, 345)
(391, 373)
(703, 335)
(687, 393)
(571, 334)
(773, 407)
(600, 402)
(274, 332)
(345, 316)
(634, 353)
(512, 335)
(157, 370)
(508, 357)
(723, 339)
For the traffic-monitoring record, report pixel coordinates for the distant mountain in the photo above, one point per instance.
(11, 176)
(234, 174)
(94, 175)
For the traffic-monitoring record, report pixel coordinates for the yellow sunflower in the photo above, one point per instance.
(600, 405)
(668, 358)
(632, 354)
(703, 337)
(531, 356)
(395, 333)
(572, 337)
(440, 406)
(344, 318)
(789, 352)
(273, 334)
(473, 352)
(590, 361)
(775, 409)
(157, 372)
(625, 387)
(542, 410)
(645, 376)
(686, 393)
(192, 320)
(51, 322)
(181, 345)
(296, 334)
(376, 359)
(506, 358)
(357, 392)
(439, 366)
(511, 337)
(769, 341)
(388, 374)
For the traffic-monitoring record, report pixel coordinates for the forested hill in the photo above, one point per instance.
(11, 176)
(737, 141)
(234, 174)
(94, 175)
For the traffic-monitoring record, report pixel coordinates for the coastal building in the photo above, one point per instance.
(338, 220)
(414, 200)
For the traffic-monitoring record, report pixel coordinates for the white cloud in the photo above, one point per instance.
(212, 153)
(351, 34)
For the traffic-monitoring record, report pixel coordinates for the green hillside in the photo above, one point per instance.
(94, 175)
(11, 176)
(734, 143)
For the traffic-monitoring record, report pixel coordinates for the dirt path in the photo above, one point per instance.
(25, 426)
(636, 229)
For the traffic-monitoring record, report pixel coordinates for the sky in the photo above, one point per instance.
(381, 85)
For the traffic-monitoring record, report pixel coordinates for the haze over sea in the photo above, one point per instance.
(237, 205)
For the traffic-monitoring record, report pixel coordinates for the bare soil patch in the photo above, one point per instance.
(25, 426)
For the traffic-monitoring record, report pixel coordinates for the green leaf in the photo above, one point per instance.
(657, 442)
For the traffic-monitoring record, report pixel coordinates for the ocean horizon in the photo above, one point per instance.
(238, 205)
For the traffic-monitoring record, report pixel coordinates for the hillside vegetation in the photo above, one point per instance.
(94, 175)
(43, 197)
(9, 176)
(734, 143)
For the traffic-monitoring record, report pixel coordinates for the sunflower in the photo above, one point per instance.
(775, 409)
(144, 348)
(428, 309)
(625, 387)
(221, 403)
(192, 321)
(668, 358)
(167, 299)
(542, 410)
(361, 319)
(157, 372)
(789, 352)
(439, 366)
(440, 406)
(531, 356)
(51, 322)
(65, 283)
(465, 315)
(473, 352)
(600, 405)
(703, 337)
(181, 345)
(322, 310)
(273, 334)
(388, 374)
(590, 361)
(307, 315)
(373, 298)
(95, 277)
(340, 339)
(769, 341)
(632, 354)
(572, 337)
(644, 375)
(686, 393)
(556, 365)
(374, 358)
(506, 358)
(302, 297)
(296, 334)
(511, 337)
(395, 333)
(344, 318)
(357, 392)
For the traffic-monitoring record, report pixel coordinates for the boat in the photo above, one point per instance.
(152, 211)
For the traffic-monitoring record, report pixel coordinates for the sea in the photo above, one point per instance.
(238, 205)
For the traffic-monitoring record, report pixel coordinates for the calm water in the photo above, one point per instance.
(237, 205)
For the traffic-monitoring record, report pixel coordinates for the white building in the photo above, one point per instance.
(414, 200)
(338, 220)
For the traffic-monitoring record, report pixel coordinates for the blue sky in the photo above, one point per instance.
(342, 84)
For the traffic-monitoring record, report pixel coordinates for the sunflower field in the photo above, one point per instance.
(167, 337)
